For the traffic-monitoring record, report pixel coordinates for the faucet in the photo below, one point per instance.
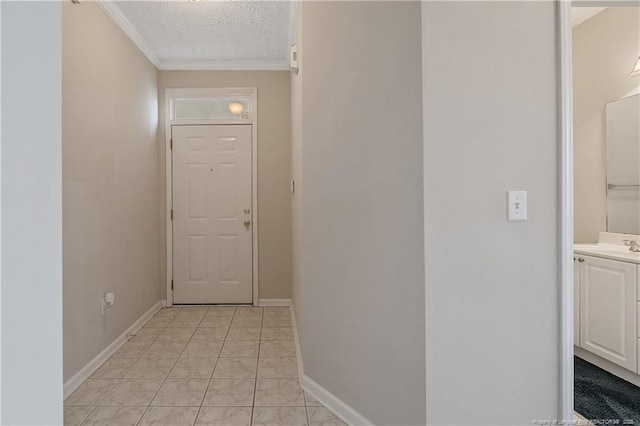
(633, 245)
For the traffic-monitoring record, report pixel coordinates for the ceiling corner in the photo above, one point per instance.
(118, 17)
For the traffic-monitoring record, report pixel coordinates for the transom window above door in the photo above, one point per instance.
(213, 104)
(211, 108)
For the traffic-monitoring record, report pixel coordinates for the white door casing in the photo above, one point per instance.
(608, 310)
(212, 214)
(576, 301)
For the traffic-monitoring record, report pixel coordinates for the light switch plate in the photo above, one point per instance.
(517, 205)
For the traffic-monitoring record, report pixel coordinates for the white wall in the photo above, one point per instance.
(110, 176)
(31, 214)
(489, 79)
(605, 49)
(358, 145)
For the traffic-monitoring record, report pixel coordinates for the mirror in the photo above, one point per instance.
(623, 165)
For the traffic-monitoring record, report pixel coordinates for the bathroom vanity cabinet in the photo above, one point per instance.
(607, 307)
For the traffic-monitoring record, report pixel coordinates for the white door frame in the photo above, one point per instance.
(252, 119)
(565, 133)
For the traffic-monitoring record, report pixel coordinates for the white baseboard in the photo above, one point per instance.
(322, 395)
(274, 302)
(333, 403)
(164, 303)
(86, 372)
(296, 339)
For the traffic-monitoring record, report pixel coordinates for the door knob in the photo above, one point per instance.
(247, 223)
(247, 211)
(580, 259)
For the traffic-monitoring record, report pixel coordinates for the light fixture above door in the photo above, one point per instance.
(236, 108)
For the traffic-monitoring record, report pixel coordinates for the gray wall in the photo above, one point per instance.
(489, 78)
(605, 49)
(360, 290)
(110, 176)
(31, 214)
(274, 167)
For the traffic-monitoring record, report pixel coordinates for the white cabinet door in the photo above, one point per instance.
(212, 243)
(576, 301)
(607, 309)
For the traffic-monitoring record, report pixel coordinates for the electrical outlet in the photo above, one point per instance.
(106, 302)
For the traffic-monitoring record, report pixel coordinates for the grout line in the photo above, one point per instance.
(255, 385)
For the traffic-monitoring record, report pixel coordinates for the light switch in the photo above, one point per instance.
(517, 205)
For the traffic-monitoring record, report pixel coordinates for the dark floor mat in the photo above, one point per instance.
(600, 395)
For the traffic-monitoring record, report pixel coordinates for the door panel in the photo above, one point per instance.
(212, 245)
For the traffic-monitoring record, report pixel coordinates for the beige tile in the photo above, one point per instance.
(277, 348)
(235, 368)
(240, 349)
(277, 333)
(169, 416)
(320, 416)
(248, 311)
(227, 416)
(246, 321)
(221, 311)
(165, 349)
(167, 313)
(114, 368)
(311, 401)
(147, 334)
(194, 367)
(133, 392)
(252, 333)
(276, 321)
(278, 368)
(277, 310)
(132, 348)
(75, 415)
(215, 322)
(209, 349)
(110, 416)
(158, 322)
(207, 334)
(230, 392)
(181, 393)
(176, 334)
(279, 393)
(194, 310)
(279, 416)
(152, 367)
(185, 321)
(90, 392)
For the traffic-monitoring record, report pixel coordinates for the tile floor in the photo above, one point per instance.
(201, 366)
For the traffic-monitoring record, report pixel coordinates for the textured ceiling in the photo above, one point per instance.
(209, 34)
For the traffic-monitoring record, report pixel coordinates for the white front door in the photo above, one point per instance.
(212, 243)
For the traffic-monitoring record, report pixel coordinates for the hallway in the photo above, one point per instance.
(217, 365)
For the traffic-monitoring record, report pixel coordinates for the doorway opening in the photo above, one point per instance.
(211, 191)
(600, 126)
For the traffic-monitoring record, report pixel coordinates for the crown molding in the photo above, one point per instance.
(118, 17)
(225, 65)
